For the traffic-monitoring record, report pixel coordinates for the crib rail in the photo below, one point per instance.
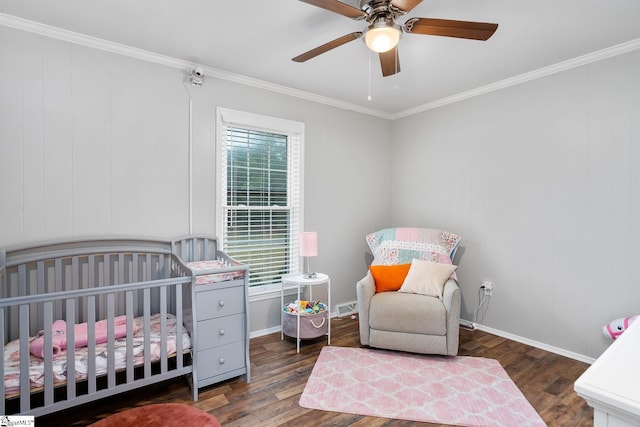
(201, 248)
(85, 281)
(132, 376)
(195, 247)
(64, 266)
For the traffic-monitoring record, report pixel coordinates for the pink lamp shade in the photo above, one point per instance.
(309, 243)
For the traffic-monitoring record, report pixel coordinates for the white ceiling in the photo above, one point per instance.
(258, 38)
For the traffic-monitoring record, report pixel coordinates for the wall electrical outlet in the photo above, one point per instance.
(488, 287)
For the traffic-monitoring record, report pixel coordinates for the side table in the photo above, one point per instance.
(299, 281)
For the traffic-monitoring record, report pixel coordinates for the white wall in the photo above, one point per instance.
(542, 180)
(94, 143)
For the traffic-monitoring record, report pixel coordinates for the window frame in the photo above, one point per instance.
(295, 135)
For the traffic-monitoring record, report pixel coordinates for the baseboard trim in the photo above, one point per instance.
(536, 344)
(470, 325)
(263, 332)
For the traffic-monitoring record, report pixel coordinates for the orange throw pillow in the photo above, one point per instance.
(389, 277)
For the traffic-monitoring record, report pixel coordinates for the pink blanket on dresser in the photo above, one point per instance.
(59, 335)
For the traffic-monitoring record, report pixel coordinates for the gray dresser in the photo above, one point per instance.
(218, 322)
(221, 328)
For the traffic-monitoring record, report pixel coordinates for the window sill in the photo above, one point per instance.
(260, 293)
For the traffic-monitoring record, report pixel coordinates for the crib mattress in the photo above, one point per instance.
(36, 365)
(213, 278)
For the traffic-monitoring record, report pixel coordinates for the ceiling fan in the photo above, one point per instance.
(383, 33)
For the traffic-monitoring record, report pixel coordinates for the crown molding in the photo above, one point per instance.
(132, 52)
(125, 50)
(526, 77)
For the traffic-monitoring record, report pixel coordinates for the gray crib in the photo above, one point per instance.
(85, 283)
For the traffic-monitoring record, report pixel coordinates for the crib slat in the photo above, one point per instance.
(106, 279)
(111, 362)
(91, 347)
(48, 356)
(121, 268)
(148, 265)
(76, 283)
(147, 331)
(71, 348)
(107, 269)
(91, 272)
(163, 328)
(41, 274)
(25, 401)
(57, 265)
(40, 290)
(129, 303)
(22, 279)
(207, 252)
(161, 267)
(179, 358)
(135, 277)
(183, 250)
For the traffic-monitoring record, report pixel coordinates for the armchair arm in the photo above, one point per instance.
(366, 289)
(452, 300)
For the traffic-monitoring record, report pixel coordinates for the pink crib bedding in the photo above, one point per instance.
(213, 278)
(36, 364)
(59, 335)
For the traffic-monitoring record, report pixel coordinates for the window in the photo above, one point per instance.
(259, 197)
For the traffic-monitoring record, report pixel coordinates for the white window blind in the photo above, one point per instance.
(259, 193)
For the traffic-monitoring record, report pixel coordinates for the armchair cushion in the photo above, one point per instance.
(408, 313)
(427, 278)
(389, 277)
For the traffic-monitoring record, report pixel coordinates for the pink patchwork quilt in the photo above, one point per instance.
(36, 364)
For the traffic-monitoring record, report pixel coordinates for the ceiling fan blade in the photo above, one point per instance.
(405, 5)
(450, 28)
(390, 62)
(338, 7)
(327, 47)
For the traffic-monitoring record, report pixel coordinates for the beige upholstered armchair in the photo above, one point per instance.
(410, 300)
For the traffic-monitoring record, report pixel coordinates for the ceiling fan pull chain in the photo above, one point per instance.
(369, 69)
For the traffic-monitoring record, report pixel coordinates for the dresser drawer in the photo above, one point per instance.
(220, 331)
(219, 302)
(218, 360)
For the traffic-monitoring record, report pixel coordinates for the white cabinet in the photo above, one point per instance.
(611, 384)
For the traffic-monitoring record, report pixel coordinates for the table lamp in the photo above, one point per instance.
(308, 248)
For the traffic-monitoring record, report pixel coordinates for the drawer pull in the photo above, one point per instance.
(221, 360)
(221, 303)
(221, 332)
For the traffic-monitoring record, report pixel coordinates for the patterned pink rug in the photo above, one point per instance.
(468, 391)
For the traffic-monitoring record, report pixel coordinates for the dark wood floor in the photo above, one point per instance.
(279, 375)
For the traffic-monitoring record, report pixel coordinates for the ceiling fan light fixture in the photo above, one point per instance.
(382, 36)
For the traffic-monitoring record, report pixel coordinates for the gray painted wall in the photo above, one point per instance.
(542, 180)
(94, 143)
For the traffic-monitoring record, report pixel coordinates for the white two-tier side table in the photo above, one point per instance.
(299, 281)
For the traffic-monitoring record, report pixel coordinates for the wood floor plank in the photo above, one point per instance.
(279, 375)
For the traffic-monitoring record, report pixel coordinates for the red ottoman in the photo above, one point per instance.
(163, 414)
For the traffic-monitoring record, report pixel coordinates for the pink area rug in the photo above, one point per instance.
(467, 391)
